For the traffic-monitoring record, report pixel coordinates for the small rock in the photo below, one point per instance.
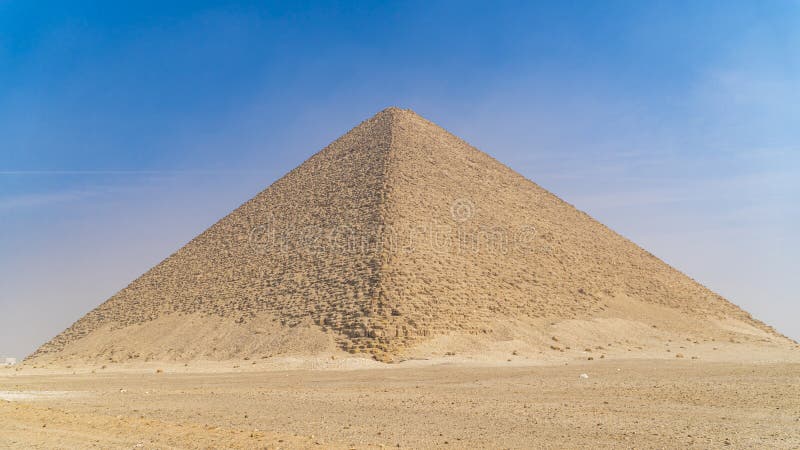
(584, 376)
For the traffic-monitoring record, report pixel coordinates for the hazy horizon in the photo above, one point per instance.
(129, 130)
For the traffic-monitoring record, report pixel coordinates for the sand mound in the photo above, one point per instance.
(397, 234)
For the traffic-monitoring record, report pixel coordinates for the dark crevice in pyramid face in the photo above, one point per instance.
(396, 232)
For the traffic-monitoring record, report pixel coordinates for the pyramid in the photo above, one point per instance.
(394, 234)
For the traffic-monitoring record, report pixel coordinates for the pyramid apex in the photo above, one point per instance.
(392, 109)
(397, 110)
(395, 115)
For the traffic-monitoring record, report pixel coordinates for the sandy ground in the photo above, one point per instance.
(643, 403)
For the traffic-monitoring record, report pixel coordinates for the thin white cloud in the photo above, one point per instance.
(42, 199)
(124, 172)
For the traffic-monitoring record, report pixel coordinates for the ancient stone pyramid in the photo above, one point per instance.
(396, 232)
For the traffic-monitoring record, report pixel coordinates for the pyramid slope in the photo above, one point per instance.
(261, 261)
(395, 233)
(514, 240)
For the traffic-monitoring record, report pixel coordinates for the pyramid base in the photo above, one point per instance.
(627, 329)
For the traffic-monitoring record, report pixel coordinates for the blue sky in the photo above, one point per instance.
(128, 129)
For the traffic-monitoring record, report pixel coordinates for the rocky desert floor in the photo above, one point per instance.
(620, 403)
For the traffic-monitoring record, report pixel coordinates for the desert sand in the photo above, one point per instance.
(445, 402)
